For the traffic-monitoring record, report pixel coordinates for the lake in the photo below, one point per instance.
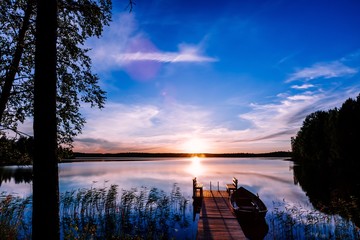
(271, 178)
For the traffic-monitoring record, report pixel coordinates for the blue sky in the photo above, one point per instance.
(219, 76)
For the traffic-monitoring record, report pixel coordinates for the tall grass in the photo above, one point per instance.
(101, 212)
(150, 213)
(14, 217)
(106, 213)
(294, 221)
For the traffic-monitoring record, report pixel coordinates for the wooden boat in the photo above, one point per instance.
(245, 204)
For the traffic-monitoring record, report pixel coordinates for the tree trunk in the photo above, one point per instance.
(45, 167)
(13, 68)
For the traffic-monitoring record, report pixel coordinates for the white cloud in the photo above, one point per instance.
(271, 118)
(154, 128)
(114, 39)
(122, 127)
(172, 57)
(304, 86)
(322, 70)
(146, 127)
(281, 120)
(124, 43)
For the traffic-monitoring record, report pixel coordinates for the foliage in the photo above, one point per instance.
(16, 151)
(330, 138)
(106, 213)
(78, 20)
(19, 151)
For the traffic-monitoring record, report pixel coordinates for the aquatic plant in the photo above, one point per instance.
(151, 213)
(13, 215)
(295, 221)
(105, 213)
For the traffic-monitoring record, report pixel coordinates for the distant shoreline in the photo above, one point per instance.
(138, 156)
(179, 155)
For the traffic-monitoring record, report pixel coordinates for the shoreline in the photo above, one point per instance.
(179, 155)
(135, 156)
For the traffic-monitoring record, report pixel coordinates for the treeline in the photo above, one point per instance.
(20, 151)
(16, 151)
(169, 155)
(330, 138)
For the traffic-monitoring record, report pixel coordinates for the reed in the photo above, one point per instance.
(150, 213)
(13, 217)
(105, 213)
(295, 221)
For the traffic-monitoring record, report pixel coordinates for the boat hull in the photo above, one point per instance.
(245, 204)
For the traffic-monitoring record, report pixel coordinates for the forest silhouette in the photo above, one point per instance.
(328, 160)
(330, 138)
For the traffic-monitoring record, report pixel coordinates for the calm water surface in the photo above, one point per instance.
(271, 178)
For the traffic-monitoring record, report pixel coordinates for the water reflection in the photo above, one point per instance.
(16, 180)
(18, 174)
(331, 191)
(196, 169)
(254, 229)
(272, 178)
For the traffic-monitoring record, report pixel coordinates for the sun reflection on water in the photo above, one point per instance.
(195, 168)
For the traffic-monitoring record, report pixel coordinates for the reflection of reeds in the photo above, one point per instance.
(294, 221)
(106, 213)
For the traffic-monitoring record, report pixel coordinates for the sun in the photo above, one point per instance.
(196, 145)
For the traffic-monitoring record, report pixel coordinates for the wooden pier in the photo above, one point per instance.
(216, 219)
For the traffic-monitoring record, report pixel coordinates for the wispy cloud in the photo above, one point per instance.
(304, 86)
(171, 57)
(322, 70)
(140, 126)
(159, 127)
(146, 127)
(156, 128)
(125, 43)
(114, 39)
(281, 120)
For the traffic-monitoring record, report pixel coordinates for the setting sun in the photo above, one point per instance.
(196, 145)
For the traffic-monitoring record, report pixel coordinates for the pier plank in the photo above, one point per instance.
(216, 220)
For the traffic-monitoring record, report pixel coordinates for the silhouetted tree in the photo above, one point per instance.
(45, 166)
(330, 138)
(77, 21)
(55, 108)
(327, 147)
(16, 151)
(349, 130)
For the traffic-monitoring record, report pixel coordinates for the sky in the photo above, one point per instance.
(219, 76)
